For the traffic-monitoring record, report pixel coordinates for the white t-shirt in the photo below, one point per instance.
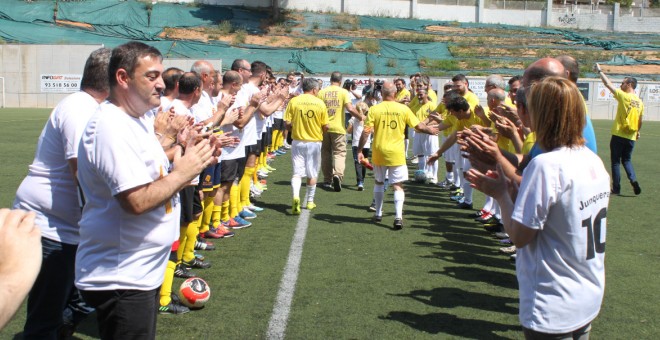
(49, 188)
(229, 153)
(358, 127)
(243, 99)
(564, 195)
(120, 250)
(165, 103)
(181, 109)
(204, 109)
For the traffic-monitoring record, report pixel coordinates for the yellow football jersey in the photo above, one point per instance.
(403, 94)
(335, 99)
(307, 115)
(628, 114)
(388, 121)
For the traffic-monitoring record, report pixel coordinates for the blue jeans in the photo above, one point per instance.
(51, 290)
(621, 150)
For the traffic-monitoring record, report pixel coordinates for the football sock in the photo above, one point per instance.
(234, 201)
(399, 197)
(379, 193)
(166, 287)
(296, 182)
(310, 192)
(206, 214)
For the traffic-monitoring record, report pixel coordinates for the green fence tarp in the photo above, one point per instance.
(27, 11)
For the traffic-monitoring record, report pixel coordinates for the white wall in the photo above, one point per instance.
(23, 65)
(532, 18)
(447, 13)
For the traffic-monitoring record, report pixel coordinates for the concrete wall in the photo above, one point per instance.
(22, 66)
(446, 13)
(533, 18)
(578, 19)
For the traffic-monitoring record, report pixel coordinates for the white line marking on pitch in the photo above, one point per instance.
(280, 316)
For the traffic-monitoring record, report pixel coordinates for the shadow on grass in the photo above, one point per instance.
(449, 297)
(471, 274)
(443, 323)
(88, 328)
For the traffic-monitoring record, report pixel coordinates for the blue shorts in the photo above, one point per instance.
(210, 177)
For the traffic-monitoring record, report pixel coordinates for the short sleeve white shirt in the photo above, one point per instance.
(564, 194)
(358, 127)
(204, 108)
(120, 250)
(243, 99)
(49, 188)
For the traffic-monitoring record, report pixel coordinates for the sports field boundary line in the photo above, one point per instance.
(281, 310)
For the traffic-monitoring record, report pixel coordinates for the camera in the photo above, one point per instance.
(350, 84)
(378, 85)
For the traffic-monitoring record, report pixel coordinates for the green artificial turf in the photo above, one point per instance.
(440, 277)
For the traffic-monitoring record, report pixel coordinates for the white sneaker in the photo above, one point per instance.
(286, 145)
(508, 250)
(414, 160)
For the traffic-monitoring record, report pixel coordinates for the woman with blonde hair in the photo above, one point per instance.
(557, 218)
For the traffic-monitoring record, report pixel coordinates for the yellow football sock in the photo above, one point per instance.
(262, 160)
(234, 200)
(215, 216)
(191, 237)
(224, 213)
(245, 186)
(166, 287)
(182, 240)
(206, 214)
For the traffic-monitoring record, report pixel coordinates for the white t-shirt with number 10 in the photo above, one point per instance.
(564, 195)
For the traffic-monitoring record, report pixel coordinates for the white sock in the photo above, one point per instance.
(488, 206)
(496, 211)
(457, 176)
(399, 197)
(310, 192)
(379, 193)
(295, 186)
(450, 176)
(433, 170)
(467, 191)
(421, 164)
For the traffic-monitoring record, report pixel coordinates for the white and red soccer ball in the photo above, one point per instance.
(194, 292)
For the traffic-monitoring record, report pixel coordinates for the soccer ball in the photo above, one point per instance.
(420, 176)
(194, 292)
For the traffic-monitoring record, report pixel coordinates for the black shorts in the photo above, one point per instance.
(186, 196)
(241, 167)
(266, 139)
(278, 124)
(229, 171)
(210, 177)
(253, 149)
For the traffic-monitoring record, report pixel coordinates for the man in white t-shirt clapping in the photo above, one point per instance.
(130, 218)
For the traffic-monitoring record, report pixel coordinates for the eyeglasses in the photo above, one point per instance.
(247, 69)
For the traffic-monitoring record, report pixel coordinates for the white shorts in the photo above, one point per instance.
(306, 158)
(425, 144)
(453, 154)
(395, 174)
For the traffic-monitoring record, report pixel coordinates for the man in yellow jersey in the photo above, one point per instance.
(333, 150)
(387, 121)
(424, 144)
(402, 93)
(306, 117)
(514, 85)
(461, 86)
(625, 130)
(461, 117)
